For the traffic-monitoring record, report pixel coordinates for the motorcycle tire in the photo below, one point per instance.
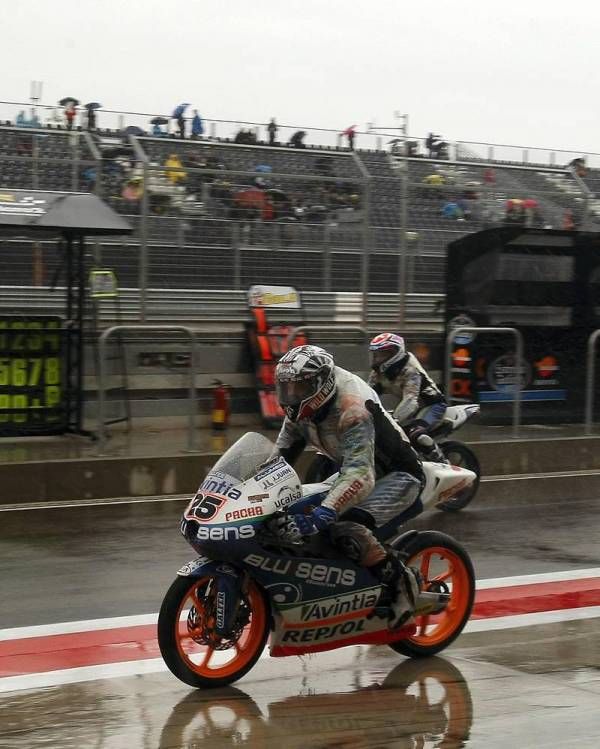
(460, 455)
(189, 645)
(441, 560)
(320, 469)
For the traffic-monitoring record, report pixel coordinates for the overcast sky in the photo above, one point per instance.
(508, 72)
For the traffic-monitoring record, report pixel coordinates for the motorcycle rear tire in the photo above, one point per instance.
(199, 675)
(454, 619)
(468, 459)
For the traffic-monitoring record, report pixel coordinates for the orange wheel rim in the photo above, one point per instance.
(194, 621)
(440, 565)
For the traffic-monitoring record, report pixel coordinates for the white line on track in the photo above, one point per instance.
(22, 506)
(136, 620)
(156, 665)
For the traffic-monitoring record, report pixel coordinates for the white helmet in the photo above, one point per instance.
(386, 350)
(305, 381)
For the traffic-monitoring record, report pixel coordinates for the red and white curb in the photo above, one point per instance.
(69, 652)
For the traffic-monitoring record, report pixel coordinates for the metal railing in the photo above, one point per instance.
(590, 380)
(518, 359)
(327, 329)
(371, 136)
(101, 420)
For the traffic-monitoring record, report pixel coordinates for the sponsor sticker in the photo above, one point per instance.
(287, 495)
(319, 574)
(257, 498)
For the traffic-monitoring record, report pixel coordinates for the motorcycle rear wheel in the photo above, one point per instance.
(188, 644)
(445, 567)
(460, 455)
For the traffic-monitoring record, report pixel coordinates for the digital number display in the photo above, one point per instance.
(31, 375)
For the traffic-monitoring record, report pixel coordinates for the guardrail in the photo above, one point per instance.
(327, 329)
(518, 356)
(101, 430)
(590, 377)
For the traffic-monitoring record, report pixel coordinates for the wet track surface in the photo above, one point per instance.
(526, 686)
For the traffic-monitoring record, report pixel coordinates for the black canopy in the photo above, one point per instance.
(38, 214)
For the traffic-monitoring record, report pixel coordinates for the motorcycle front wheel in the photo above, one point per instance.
(188, 643)
(445, 567)
(458, 454)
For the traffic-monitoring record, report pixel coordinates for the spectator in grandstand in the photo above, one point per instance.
(434, 179)
(70, 112)
(197, 126)
(181, 125)
(157, 131)
(489, 176)
(297, 139)
(568, 222)
(174, 170)
(578, 166)
(21, 120)
(272, 130)
(91, 119)
(350, 133)
(34, 120)
(178, 115)
(452, 210)
(429, 141)
(245, 137)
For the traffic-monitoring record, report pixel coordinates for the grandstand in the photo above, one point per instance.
(213, 217)
(219, 215)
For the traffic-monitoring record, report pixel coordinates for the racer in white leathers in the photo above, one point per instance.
(339, 414)
(421, 404)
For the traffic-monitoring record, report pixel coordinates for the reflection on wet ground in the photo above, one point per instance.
(527, 687)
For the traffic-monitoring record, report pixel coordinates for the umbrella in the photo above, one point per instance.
(68, 100)
(93, 105)
(159, 121)
(134, 130)
(179, 110)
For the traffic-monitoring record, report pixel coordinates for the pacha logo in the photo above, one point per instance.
(245, 512)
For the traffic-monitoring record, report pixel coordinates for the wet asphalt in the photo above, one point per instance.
(528, 687)
(91, 562)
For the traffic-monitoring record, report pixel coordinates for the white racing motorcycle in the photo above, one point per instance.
(455, 452)
(253, 580)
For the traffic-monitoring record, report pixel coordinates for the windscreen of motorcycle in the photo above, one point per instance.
(242, 488)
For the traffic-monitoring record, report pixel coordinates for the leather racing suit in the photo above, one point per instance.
(419, 397)
(378, 467)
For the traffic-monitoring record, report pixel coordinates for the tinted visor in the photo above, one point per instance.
(293, 393)
(381, 356)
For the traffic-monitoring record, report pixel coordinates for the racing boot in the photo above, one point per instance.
(404, 584)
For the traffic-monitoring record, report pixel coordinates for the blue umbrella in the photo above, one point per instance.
(178, 111)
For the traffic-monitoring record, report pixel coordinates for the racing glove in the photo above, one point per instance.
(318, 520)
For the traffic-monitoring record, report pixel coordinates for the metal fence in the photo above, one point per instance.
(215, 216)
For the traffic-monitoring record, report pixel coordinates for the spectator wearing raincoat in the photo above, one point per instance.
(174, 170)
(197, 126)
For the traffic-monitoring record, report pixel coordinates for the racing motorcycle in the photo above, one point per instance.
(255, 578)
(455, 452)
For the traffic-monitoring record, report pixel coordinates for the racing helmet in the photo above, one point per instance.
(304, 381)
(386, 350)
